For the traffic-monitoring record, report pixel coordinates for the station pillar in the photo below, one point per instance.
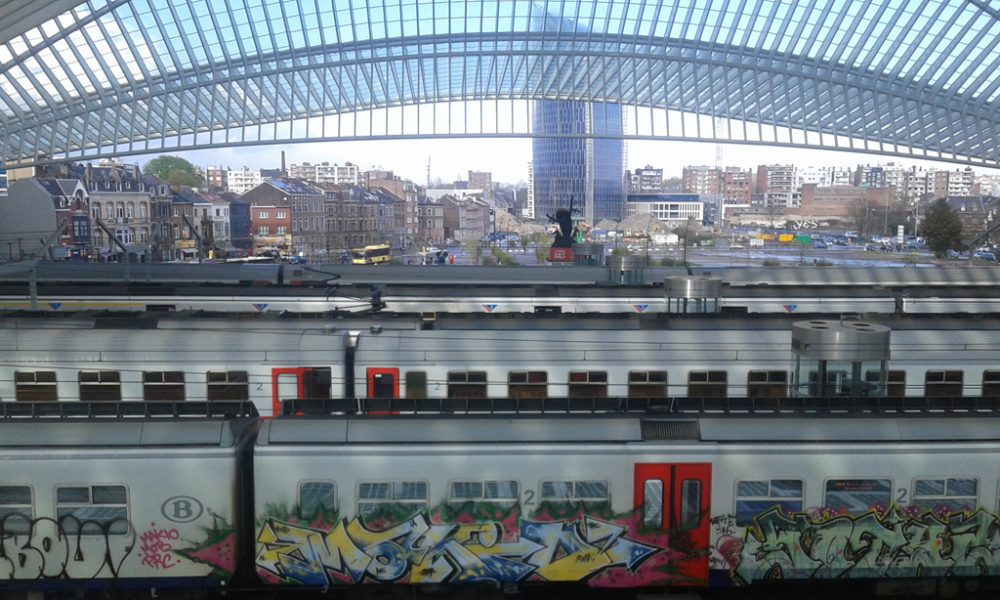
(840, 358)
(692, 294)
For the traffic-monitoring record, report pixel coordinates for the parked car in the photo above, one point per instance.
(987, 256)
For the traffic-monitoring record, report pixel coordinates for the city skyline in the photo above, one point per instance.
(508, 158)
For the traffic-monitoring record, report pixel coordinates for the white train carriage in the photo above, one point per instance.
(624, 502)
(120, 503)
(170, 359)
(565, 362)
(707, 359)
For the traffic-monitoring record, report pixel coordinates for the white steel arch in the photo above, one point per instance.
(117, 77)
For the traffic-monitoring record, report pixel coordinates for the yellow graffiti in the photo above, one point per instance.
(418, 551)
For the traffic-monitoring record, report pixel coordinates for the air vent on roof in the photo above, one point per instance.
(670, 430)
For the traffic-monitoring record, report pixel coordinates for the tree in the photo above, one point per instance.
(942, 228)
(175, 171)
(473, 250)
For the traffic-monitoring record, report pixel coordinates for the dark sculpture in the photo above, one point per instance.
(564, 219)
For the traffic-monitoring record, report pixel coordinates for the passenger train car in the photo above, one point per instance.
(121, 503)
(611, 502)
(550, 504)
(409, 361)
(328, 289)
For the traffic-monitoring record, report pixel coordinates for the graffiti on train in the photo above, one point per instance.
(876, 544)
(69, 548)
(157, 547)
(419, 550)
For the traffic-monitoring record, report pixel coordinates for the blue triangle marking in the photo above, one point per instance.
(55, 305)
(790, 307)
(260, 307)
(640, 307)
(490, 307)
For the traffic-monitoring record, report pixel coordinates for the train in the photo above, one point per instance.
(336, 289)
(477, 361)
(166, 504)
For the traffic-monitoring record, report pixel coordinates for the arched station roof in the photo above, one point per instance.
(917, 78)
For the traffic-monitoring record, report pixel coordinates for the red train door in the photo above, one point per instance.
(383, 384)
(296, 383)
(676, 497)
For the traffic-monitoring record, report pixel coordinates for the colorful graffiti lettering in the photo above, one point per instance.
(157, 547)
(68, 548)
(419, 551)
(877, 544)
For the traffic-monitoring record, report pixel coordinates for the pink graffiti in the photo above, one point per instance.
(157, 549)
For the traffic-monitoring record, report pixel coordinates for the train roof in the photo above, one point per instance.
(125, 424)
(599, 429)
(463, 276)
(53, 286)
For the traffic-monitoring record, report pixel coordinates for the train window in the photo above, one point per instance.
(754, 497)
(857, 496)
(647, 384)
(100, 386)
(690, 503)
(165, 386)
(895, 382)
(575, 491)
(707, 384)
(35, 386)
(462, 491)
(496, 492)
(316, 382)
(767, 384)
(416, 384)
(991, 384)
(391, 502)
(588, 384)
(228, 385)
(527, 384)
(944, 497)
(467, 384)
(652, 503)
(16, 511)
(943, 384)
(503, 489)
(317, 498)
(93, 509)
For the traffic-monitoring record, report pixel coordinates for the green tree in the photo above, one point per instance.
(175, 171)
(942, 228)
(541, 254)
(474, 250)
(503, 259)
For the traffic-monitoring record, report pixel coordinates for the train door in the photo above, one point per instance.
(676, 497)
(298, 383)
(383, 385)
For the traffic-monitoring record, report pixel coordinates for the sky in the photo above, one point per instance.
(507, 158)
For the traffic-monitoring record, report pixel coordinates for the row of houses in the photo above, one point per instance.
(111, 210)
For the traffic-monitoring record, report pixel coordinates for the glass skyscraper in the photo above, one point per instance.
(589, 170)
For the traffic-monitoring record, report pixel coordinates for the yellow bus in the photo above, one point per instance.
(371, 255)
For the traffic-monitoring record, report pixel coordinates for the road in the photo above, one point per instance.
(846, 256)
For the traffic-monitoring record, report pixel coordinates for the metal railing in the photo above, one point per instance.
(745, 406)
(230, 409)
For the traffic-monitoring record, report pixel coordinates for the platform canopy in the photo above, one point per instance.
(917, 78)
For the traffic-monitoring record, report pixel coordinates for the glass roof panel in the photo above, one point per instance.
(922, 54)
